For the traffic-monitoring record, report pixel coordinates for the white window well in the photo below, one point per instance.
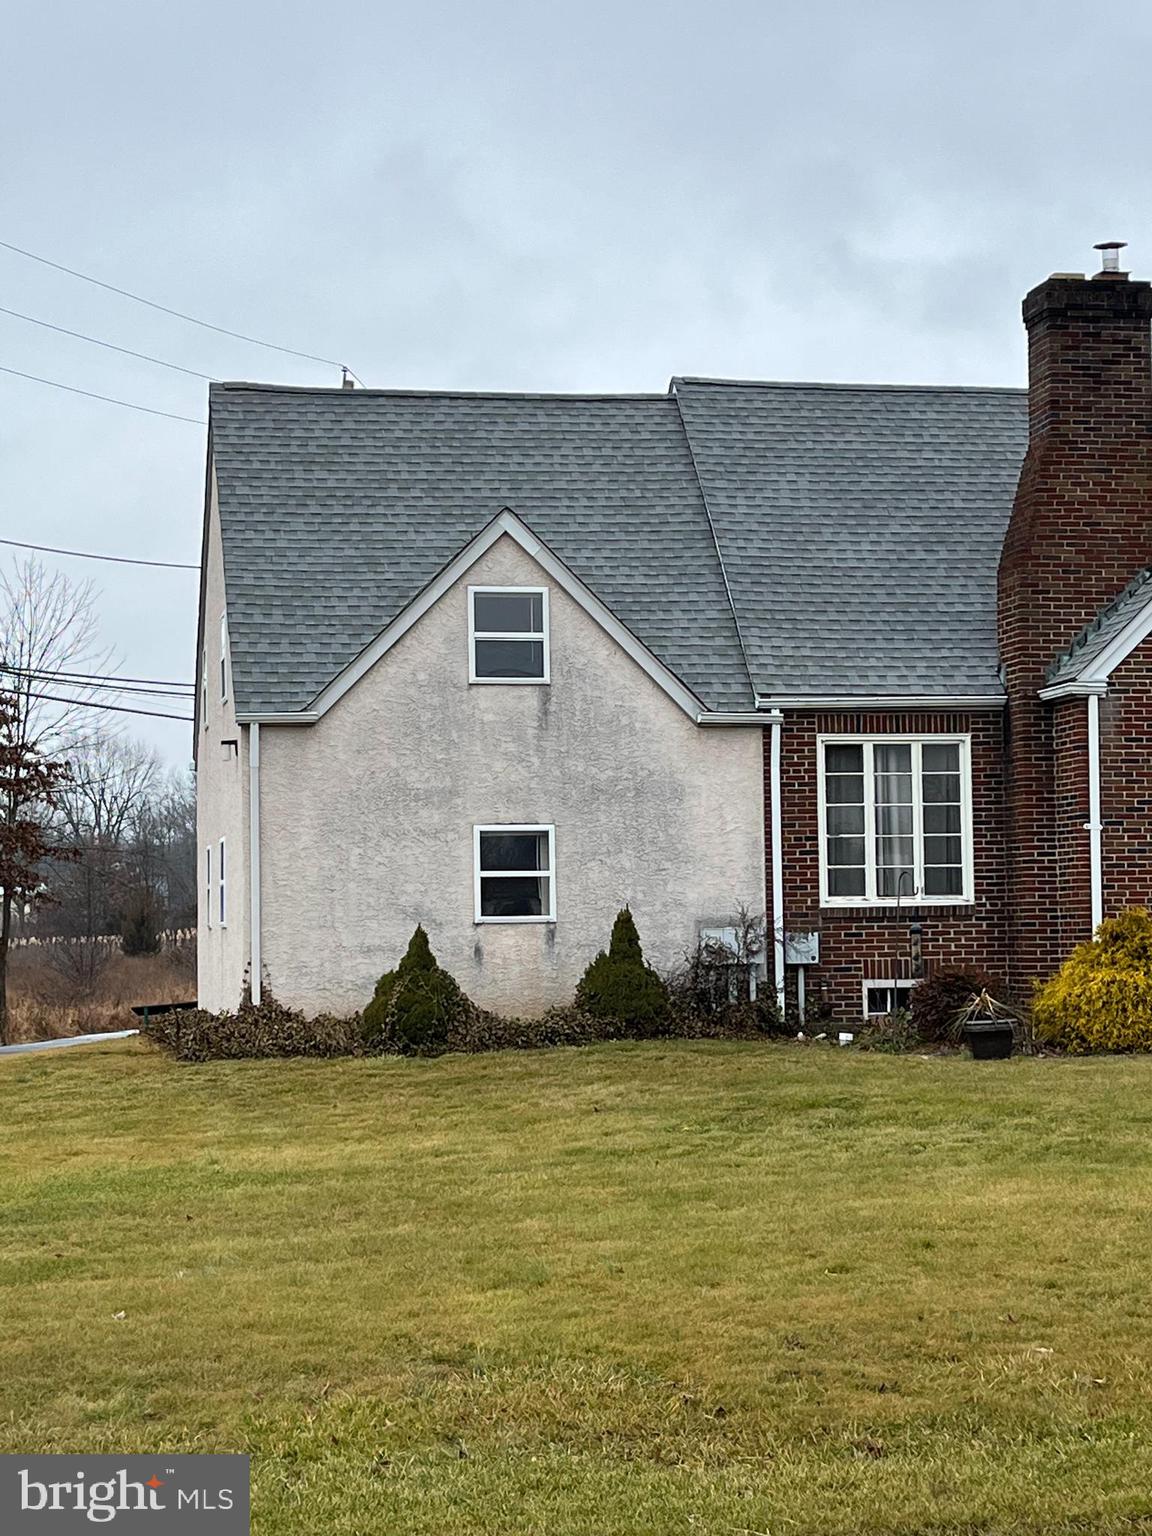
(882, 998)
(508, 635)
(515, 874)
(896, 820)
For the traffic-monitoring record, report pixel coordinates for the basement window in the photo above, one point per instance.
(508, 635)
(882, 998)
(515, 874)
(896, 819)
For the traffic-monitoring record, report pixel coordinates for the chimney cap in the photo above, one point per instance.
(1110, 254)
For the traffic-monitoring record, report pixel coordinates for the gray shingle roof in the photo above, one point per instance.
(338, 506)
(1097, 636)
(860, 527)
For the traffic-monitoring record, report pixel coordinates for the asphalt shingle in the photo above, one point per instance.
(859, 526)
(1095, 638)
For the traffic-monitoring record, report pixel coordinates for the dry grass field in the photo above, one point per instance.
(46, 1005)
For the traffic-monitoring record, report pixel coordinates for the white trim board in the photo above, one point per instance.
(506, 523)
(1094, 677)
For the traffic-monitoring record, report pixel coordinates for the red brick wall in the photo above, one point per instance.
(868, 941)
(1081, 528)
(1126, 783)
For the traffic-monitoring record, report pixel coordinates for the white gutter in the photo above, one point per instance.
(1078, 688)
(1093, 824)
(776, 816)
(255, 971)
(884, 701)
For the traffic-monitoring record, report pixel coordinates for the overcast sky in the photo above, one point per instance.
(521, 196)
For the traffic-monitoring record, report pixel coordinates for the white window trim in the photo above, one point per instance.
(915, 898)
(223, 658)
(209, 887)
(542, 634)
(222, 882)
(901, 983)
(549, 873)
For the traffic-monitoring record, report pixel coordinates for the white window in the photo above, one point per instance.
(223, 659)
(508, 635)
(209, 888)
(884, 997)
(896, 820)
(515, 874)
(223, 887)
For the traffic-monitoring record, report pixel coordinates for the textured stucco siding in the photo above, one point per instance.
(367, 816)
(221, 806)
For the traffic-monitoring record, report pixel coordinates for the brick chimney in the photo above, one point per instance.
(1081, 528)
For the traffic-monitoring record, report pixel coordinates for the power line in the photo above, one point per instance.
(221, 330)
(80, 554)
(108, 399)
(99, 677)
(120, 709)
(111, 345)
(22, 679)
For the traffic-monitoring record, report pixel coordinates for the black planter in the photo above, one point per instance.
(990, 1042)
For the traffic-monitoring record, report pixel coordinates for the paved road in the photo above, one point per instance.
(58, 1045)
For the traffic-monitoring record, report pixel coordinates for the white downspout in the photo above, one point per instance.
(1093, 824)
(777, 819)
(255, 969)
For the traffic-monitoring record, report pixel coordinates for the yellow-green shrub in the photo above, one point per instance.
(1101, 997)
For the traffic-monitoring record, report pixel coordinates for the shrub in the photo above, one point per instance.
(1101, 997)
(620, 985)
(935, 1003)
(254, 1030)
(892, 1033)
(416, 1007)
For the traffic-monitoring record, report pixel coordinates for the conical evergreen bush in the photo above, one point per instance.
(415, 1007)
(620, 985)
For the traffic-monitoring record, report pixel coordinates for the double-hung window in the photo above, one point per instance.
(896, 821)
(223, 659)
(515, 874)
(223, 888)
(209, 888)
(508, 635)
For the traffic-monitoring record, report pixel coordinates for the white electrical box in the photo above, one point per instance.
(802, 948)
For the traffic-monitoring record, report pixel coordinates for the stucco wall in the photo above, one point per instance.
(367, 816)
(221, 805)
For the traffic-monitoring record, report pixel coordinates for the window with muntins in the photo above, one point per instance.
(508, 634)
(515, 874)
(896, 820)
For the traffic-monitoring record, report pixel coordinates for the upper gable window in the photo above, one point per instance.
(508, 635)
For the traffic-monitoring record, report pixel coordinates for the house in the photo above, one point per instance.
(872, 660)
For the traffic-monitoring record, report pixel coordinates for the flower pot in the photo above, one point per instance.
(991, 1041)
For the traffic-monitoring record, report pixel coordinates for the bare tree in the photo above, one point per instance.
(49, 652)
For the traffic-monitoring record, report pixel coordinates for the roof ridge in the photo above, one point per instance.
(928, 389)
(240, 386)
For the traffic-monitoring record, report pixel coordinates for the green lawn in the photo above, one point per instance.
(632, 1289)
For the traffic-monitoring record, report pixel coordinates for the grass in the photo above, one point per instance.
(49, 1000)
(691, 1287)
